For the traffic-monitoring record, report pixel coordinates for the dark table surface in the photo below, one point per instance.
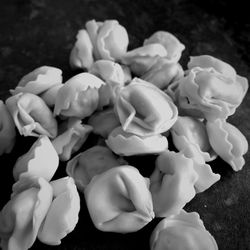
(42, 32)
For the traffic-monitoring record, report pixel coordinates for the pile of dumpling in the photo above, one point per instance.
(133, 101)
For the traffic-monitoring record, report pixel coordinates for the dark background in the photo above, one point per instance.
(35, 33)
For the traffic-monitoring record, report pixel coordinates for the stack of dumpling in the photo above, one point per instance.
(133, 101)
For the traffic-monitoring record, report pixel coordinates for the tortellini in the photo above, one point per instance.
(81, 55)
(106, 40)
(182, 231)
(228, 142)
(124, 105)
(93, 161)
(172, 183)
(31, 115)
(211, 90)
(41, 160)
(62, 216)
(39, 80)
(171, 43)
(141, 59)
(22, 216)
(109, 38)
(119, 200)
(145, 110)
(189, 135)
(79, 96)
(127, 144)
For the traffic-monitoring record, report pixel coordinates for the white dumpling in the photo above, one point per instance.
(119, 200)
(62, 215)
(172, 183)
(182, 231)
(41, 160)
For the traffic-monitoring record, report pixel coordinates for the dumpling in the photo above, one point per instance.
(127, 144)
(93, 161)
(109, 39)
(41, 160)
(31, 115)
(141, 59)
(39, 80)
(79, 96)
(81, 55)
(22, 216)
(182, 231)
(62, 216)
(228, 142)
(143, 109)
(119, 200)
(172, 183)
(189, 135)
(170, 42)
(206, 93)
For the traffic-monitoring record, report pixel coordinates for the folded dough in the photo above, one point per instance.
(31, 115)
(127, 144)
(182, 231)
(119, 200)
(22, 216)
(93, 161)
(41, 160)
(172, 183)
(62, 215)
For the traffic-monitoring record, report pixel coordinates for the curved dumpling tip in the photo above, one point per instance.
(41, 160)
(38, 80)
(91, 162)
(31, 115)
(79, 96)
(228, 142)
(127, 144)
(72, 139)
(119, 200)
(7, 130)
(62, 216)
(172, 183)
(81, 55)
(206, 177)
(182, 231)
